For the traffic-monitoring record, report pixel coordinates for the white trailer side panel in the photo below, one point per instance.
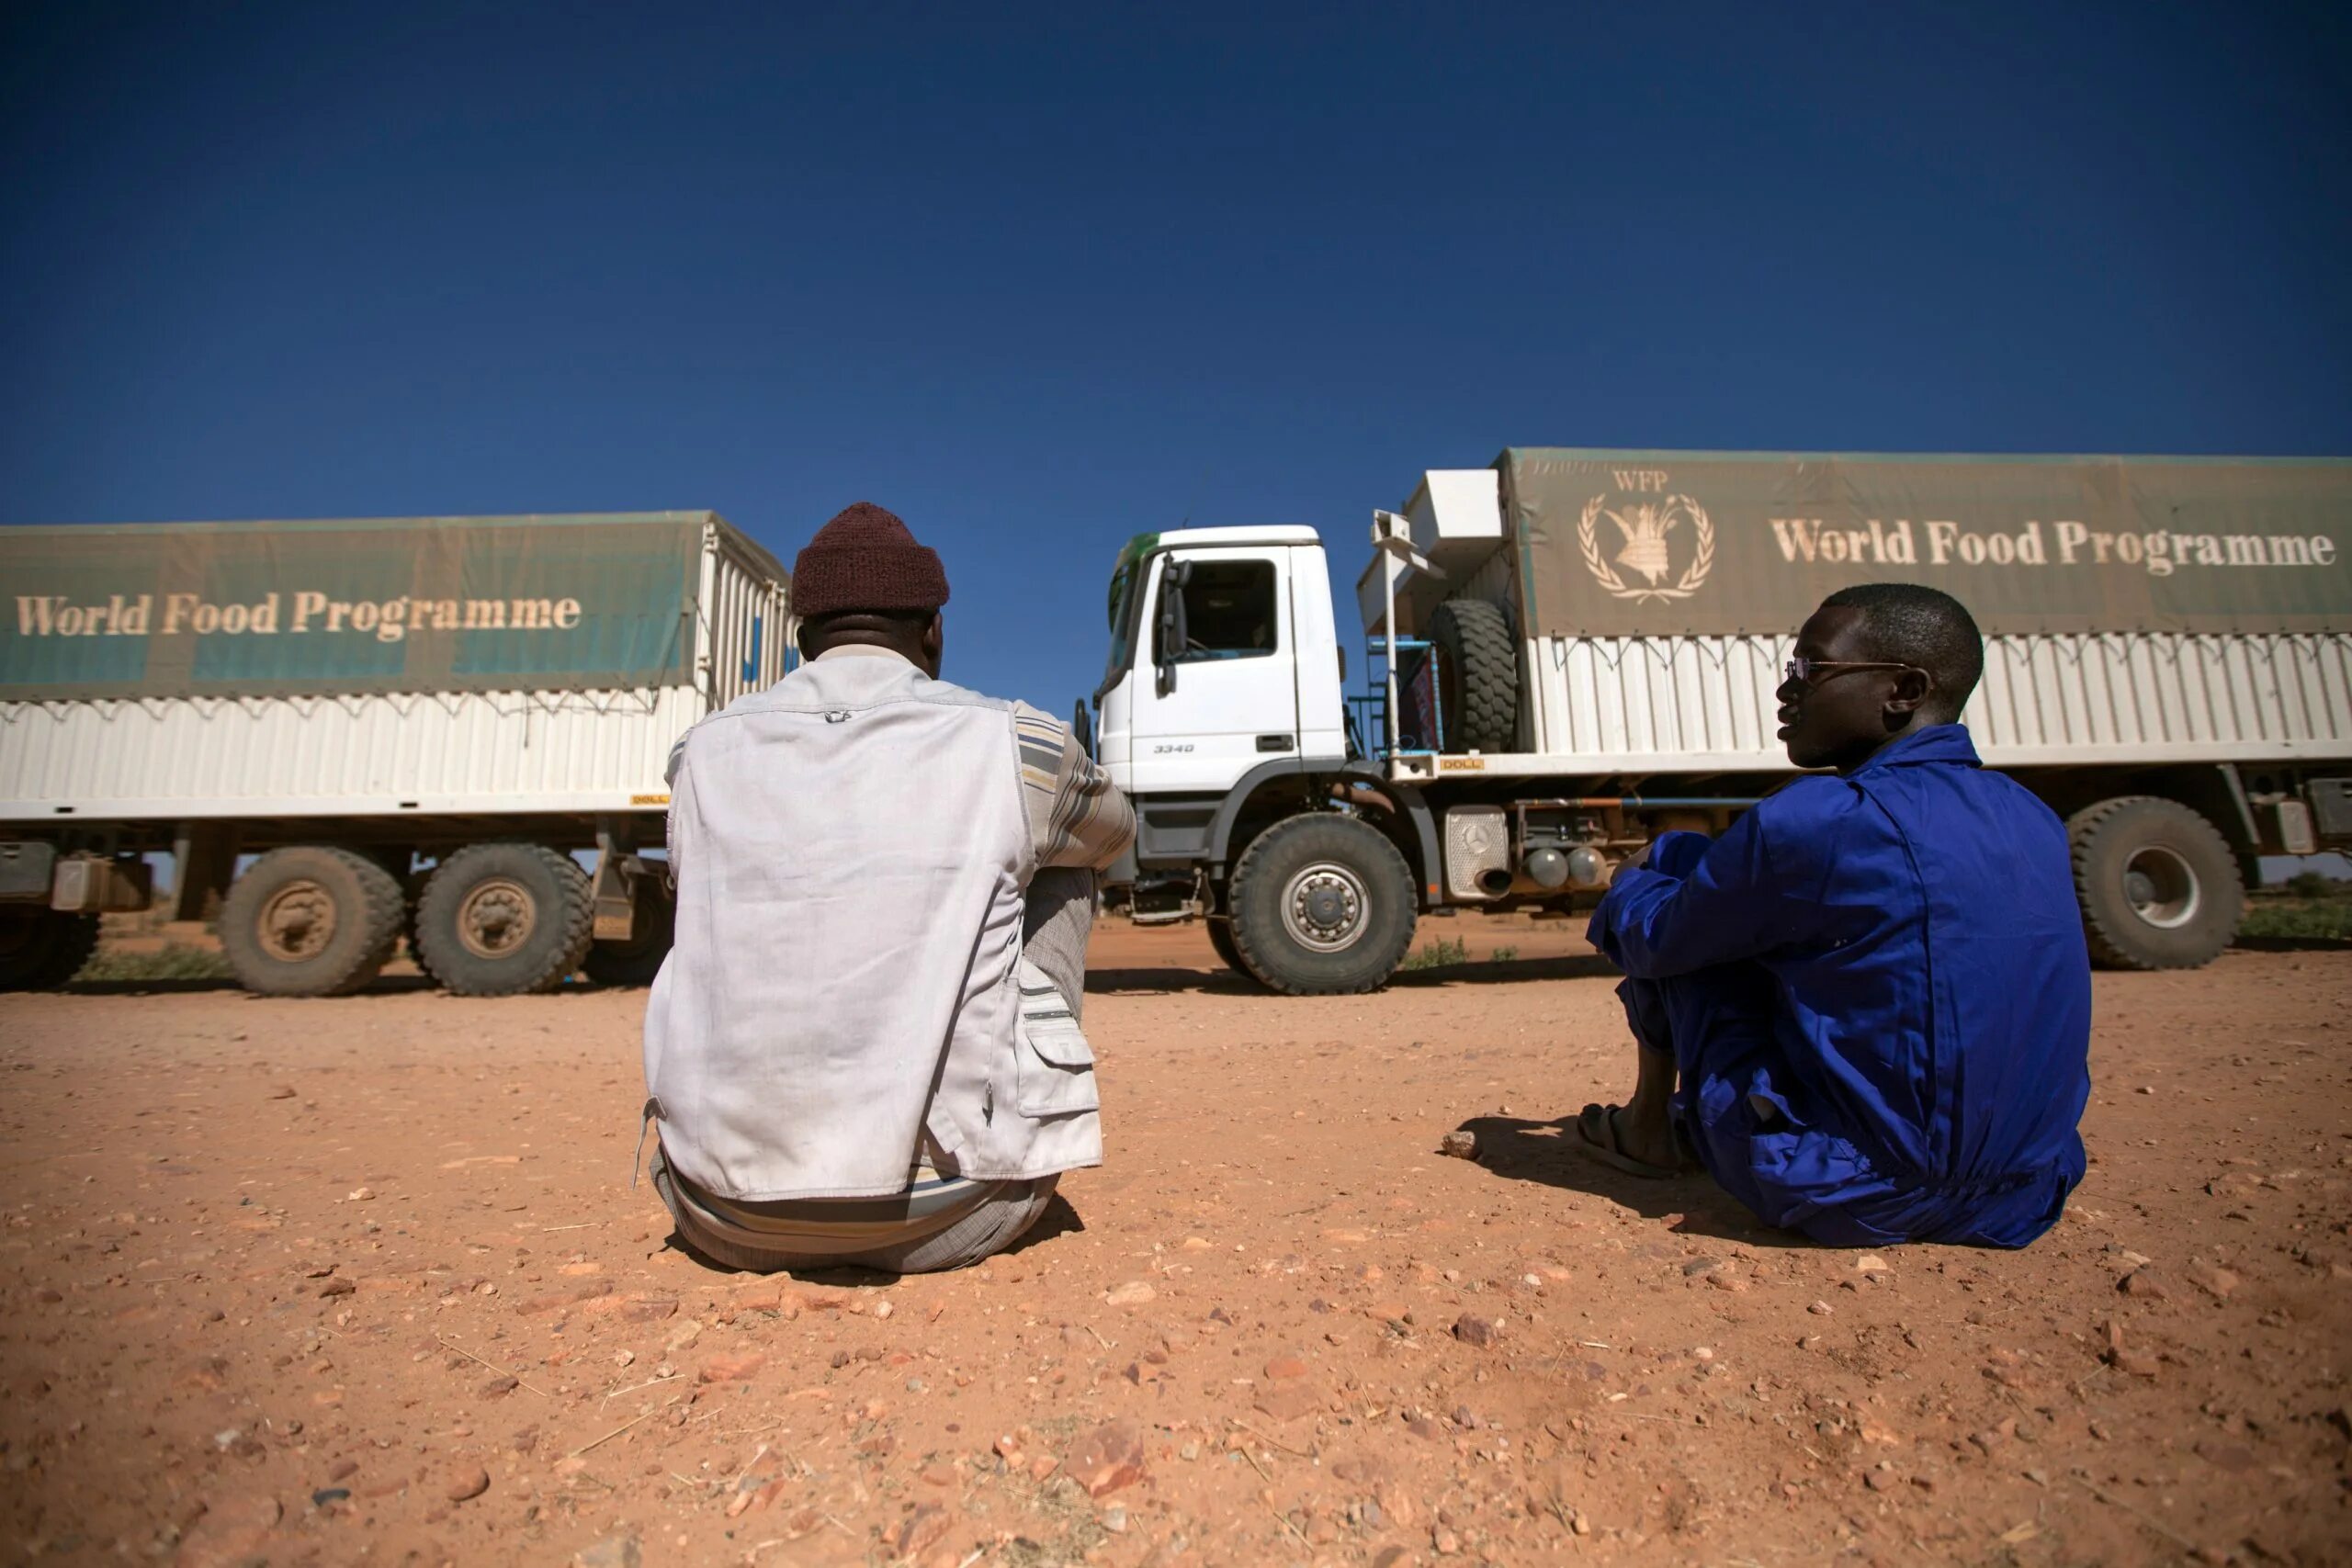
(412, 754)
(408, 754)
(1661, 705)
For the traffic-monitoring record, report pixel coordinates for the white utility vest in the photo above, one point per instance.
(852, 851)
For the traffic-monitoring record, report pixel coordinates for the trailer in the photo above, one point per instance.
(1573, 651)
(346, 732)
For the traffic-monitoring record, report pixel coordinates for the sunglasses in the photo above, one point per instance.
(1802, 670)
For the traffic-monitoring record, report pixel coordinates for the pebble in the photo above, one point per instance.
(613, 1552)
(336, 1288)
(229, 1533)
(1285, 1367)
(2144, 1284)
(1135, 1292)
(1459, 1145)
(730, 1369)
(1820, 1309)
(1108, 1458)
(883, 1309)
(1480, 1332)
(467, 1481)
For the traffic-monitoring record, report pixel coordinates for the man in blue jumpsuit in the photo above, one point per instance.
(1865, 1008)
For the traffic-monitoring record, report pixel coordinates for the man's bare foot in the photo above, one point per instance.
(1637, 1146)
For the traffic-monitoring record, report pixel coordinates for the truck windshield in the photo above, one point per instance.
(1126, 588)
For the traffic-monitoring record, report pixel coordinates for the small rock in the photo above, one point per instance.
(2215, 1282)
(1870, 1263)
(918, 1531)
(1480, 1332)
(328, 1496)
(497, 1386)
(1459, 1145)
(1880, 1480)
(467, 1481)
(613, 1552)
(883, 1309)
(1444, 1541)
(1109, 1457)
(1115, 1518)
(283, 1091)
(361, 1194)
(336, 1288)
(342, 1470)
(1287, 1367)
(730, 1369)
(1135, 1292)
(1820, 1309)
(229, 1533)
(2143, 1285)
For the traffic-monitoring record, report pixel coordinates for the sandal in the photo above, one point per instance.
(1596, 1131)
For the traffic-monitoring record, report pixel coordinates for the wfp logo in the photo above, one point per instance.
(1654, 529)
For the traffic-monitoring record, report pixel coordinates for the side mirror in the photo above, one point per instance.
(1081, 724)
(1174, 633)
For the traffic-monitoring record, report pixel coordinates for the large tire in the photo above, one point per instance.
(2157, 882)
(310, 921)
(1221, 938)
(505, 921)
(1477, 676)
(1323, 905)
(41, 949)
(637, 960)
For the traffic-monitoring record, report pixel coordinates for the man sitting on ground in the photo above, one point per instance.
(863, 1047)
(1873, 987)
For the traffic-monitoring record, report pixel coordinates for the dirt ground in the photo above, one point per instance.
(367, 1280)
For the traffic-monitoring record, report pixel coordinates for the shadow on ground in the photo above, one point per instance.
(1546, 1152)
(1225, 982)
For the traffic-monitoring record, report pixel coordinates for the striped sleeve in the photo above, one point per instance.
(1077, 817)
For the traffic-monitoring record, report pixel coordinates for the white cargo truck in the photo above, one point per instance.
(347, 731)
(1578, 649)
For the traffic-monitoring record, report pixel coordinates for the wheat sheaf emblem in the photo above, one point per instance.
(1645, 525)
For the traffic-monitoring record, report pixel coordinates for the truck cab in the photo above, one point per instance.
(1224, 659)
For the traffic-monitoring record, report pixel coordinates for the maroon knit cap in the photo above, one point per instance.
(865, 559)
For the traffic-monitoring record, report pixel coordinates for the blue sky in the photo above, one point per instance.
(1039, 279)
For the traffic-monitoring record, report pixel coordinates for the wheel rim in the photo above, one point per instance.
(496, 918)
(297, 923)
(1323, 905)
(2162, 887)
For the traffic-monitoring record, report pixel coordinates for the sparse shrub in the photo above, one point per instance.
(1437, 954)
(174, 961)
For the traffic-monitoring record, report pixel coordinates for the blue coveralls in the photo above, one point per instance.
(1876, 988)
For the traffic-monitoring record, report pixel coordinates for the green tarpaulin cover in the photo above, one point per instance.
(363, 605)
(1658, 544)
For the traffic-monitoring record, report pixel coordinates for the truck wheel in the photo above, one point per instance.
(1477, 672)
(1221, 938)
(41, 949)
(504, 920)
(637, 960)
(2157, 882)
(310, 921)
(1323, 905)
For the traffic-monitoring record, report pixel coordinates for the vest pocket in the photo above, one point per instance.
(1055, 1064)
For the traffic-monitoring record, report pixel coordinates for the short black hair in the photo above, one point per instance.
(1904, 623)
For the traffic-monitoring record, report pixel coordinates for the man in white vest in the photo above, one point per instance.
(865, 1047)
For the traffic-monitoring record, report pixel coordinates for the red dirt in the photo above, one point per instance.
(366, 1280)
